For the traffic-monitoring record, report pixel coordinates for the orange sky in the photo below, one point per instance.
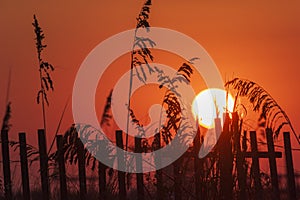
(257, 41)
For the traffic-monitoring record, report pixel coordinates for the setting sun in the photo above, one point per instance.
(208, 103)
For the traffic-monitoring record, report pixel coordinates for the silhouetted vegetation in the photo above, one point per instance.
(271, 115)
(230, 171)
(5, 122)
(45, 68)
(140, 54)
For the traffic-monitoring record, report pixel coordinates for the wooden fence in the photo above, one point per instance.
(226, 156)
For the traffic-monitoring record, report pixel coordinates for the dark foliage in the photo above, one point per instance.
(79, 133)
(171, 99)
(141, 130)
(32, 151)
(141, 54)
(45, 68)
(173, 117)
(5, 122)
(93, 144)
(173, 110)
(72, 144)
(182, 76)
(106, 116)
(271, 114)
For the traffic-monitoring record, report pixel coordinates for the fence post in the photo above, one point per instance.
(197, 163)
(272, 163)
(61, 167)
(24, 166)
(43, 163)
(121, 164)
(255, 165)
(157, 160)
(6, 164)
(241, 173)
(81, 169)
(139, 167)
(101, 172)
(177, 179)
(289, 166)
(226, 160)
(244, 142)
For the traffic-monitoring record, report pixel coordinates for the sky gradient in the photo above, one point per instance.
(257, 41)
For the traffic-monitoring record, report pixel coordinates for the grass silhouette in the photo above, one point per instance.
(45, 69)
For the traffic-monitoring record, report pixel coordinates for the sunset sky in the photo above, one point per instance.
(258, 40)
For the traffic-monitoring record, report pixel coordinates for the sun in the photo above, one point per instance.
(205, 104)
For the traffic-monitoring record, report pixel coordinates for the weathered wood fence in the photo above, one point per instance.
(226, 155)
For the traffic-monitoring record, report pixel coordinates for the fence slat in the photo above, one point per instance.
(255, 165)
(157, 160)
(197, 163)
(241, 173)
(43, 163)
(121, 164)
(139, 167)
(61, 168)
(289, 166)
(272, 163)
(81, 169)
(177, 179)
(6, 164)
(24, 166)
(226, 160)
(101, 170)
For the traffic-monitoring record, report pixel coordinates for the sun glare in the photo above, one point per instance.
(209, 103)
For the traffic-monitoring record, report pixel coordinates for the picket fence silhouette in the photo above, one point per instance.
(225, 154)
